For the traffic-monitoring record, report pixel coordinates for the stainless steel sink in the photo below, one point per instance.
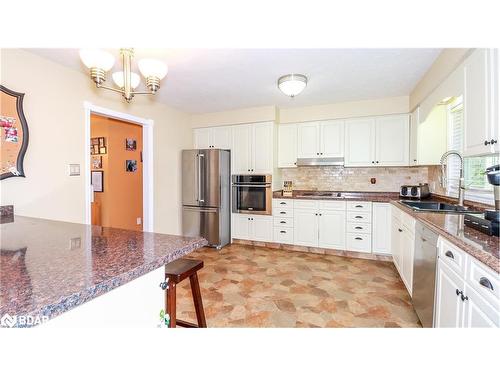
(318, 194)
(438, 207)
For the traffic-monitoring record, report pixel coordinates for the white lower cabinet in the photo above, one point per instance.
(381, 228)
(305, 227)
(461, 302)
(359, 226)
(331, 228)
(253, 227)
(402, 245)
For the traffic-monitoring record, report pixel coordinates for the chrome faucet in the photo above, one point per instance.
(461, 183)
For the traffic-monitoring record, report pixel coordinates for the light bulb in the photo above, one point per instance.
(292, 84)
(152, 68)
(96, 58)
(135, 79)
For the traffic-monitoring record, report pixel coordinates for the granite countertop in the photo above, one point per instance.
(479, 245)
(340, 195)
(48, 267)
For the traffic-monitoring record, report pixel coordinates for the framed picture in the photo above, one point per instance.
(97, 181)
(96, 162)
(102, 150)
(102, 142)
(96, 149)
(94, 141)
(130, 144)
(131, 165)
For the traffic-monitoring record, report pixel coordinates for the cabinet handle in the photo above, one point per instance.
(493, 141)
(358, 227)
(320, 214)
(400, 230)
(282, 202)
(458, 292)
(464, 298)
(282, 222)
(316, 214)
(358, 238)
(486, 283)
(358, 206)
(486, 143)
(282, 212)
(376, 162)
(358, 217)
(282, 231)
(449, 254)
(373, 162)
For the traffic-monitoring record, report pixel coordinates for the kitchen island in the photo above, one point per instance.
(49, 268)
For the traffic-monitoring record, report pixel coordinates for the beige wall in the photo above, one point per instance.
(444, 65)
(238, 116)
(53, 105)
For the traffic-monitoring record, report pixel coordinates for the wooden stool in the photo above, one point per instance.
(177, 271)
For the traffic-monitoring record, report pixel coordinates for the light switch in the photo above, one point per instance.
(74, 169)
(139, 221)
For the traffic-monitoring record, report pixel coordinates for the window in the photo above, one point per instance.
(455, 142)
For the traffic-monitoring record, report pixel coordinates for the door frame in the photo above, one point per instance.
(147, 160)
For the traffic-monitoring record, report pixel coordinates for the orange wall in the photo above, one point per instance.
(121, 201)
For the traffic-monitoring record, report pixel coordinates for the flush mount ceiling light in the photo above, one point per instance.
(99, 62)
(292, 84)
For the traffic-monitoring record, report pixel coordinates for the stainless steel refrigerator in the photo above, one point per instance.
(206, 212)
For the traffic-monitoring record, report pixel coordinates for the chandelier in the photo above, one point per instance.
(99, 62)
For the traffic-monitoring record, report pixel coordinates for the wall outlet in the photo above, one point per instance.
(75, 243)
(74, 169)
(139, 220)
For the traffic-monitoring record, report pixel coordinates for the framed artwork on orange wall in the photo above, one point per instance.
(97, 181)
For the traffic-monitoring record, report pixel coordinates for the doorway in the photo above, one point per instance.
(124, 169)
(116, 173)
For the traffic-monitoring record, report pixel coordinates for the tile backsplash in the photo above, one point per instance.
(357, 179)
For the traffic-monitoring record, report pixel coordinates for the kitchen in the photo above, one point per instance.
(353, 213)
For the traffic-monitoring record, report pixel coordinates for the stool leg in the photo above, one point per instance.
(170, 300)
(198, 303)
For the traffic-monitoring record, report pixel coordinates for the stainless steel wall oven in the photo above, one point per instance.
(252, 194)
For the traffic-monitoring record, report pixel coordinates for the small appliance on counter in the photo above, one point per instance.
(489, 221)
(287, 188)
(420, 191)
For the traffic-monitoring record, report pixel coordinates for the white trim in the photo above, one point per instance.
(147, 157)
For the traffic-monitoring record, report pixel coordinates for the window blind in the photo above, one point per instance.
(455, 142)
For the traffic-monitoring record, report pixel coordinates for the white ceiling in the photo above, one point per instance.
(210, 80)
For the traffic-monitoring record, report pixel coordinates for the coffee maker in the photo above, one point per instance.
(489, 222)
(493, 174)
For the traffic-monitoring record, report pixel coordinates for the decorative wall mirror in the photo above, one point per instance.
(14, 133)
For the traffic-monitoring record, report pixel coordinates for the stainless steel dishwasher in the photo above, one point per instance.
(424, 273)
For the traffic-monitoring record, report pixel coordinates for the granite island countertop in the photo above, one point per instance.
(48, 267)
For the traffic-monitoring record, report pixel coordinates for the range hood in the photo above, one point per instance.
(310, 162)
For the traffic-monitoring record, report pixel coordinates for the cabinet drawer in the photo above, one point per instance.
(332, 205)
(282, 212)
(306, 204)
(283, 203)
(359, 228)
(283, 235)
(359, 206)
(283, 222)
(484, 280)
(359, 217)
(452, 256)
(359, 242)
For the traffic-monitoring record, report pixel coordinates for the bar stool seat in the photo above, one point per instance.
(177, 271)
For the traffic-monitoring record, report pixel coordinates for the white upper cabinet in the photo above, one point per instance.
(218, 137)
(481, 102)
(392, 140)
(262, 148)
(241, 151)
(252, 149)
(414, 121)
(287, 146)
(202, 138)
(377, 141)
(308, 140)
(360, 142)
(331, 139)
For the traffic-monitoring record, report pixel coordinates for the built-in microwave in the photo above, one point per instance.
(252, 194)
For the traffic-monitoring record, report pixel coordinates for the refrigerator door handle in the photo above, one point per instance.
(198, 209)
(200, 156)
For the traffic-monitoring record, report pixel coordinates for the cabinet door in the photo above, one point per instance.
(287, 146)
(360, 142)
(392, 141)
(241, 227)
(414, 121)
(221, 137)
(262, 228)
(262, 148)
(449, 306)
(332, 229)
(494, 112)
(308, 140)
(305, 228)
(202, 138)
(396, 242)
(331, 137)
(476, 103)
(381, 241)
(477, 312)
(407, 251)
(242, 139)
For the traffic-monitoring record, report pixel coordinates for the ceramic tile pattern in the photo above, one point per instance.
(247, 286)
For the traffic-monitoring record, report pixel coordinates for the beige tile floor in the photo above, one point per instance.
(247, 286)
